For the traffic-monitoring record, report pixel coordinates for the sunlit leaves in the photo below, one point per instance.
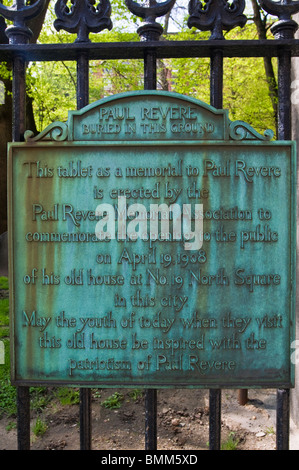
(246, 94)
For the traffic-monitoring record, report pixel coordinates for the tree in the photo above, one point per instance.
(260, 20)
(6, 113)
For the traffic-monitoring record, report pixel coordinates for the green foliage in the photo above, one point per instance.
(8, 395)
(52, 85)
(270, 430)
(4, 318)
(135, 394)
(7, 391)
(67, 396)
(5, 72)
(3, 283)
(245, 90)
(113, 402)
(39, 398)
(39, 427)
(246, 93)
(4, 312)
(11, 425)
(231, 443)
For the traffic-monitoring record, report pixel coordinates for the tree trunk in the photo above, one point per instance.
(164, 74)
(270, 75)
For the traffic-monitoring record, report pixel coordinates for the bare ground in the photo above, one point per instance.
(183, 422)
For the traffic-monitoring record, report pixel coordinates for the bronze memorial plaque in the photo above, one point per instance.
(152, 244)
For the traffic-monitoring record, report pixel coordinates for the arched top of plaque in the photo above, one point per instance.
(149, 116)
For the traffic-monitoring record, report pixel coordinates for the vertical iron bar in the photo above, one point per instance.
(23, 424)
(282, 419)
(243, 396)
(216, 79)
(216, 99)
(150, 83)
(284, 132)
(215, 419)
(82, 80)
(150, 419)
(19, 34)
(19, 99)
(150, 70)
(85, 419)
(85, 393)
(284, 96)
(18, 129)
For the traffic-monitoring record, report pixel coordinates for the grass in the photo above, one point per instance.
(231, 443)
(11, 425)
(7, 391)
(135, 394)
(39, 398)
(4, 318)
(270, 430)
(8, 396)
(113, 402)
(39, 428)
(3, 283)
(67, 396)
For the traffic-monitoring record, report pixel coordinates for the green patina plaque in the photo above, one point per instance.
(152, 244)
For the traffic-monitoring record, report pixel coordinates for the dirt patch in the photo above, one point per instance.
(183, 422)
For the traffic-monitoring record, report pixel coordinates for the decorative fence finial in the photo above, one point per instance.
(83, 17)
(285, 28)
(216, 16)
(19, 13)
(149, 11)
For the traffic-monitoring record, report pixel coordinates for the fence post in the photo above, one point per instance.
(150, 31)
(85, 393)
(282, 419)
(150, 83)
(23, 424)
(215, 17)
(20, 34)
(285, 28)
(150, 404)
(216, 99)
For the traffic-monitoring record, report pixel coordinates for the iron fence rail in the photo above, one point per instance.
(163, 49)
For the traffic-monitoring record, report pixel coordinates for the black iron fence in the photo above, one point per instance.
(85, 16)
